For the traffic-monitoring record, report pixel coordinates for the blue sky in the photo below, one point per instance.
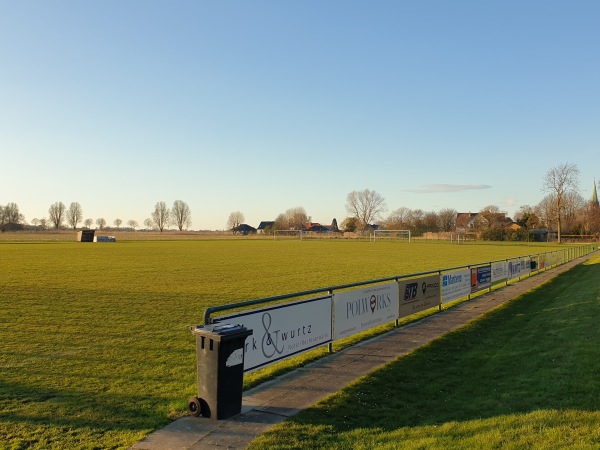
(267, 105)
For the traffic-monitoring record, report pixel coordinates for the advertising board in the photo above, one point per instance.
(419, 294)
(361, 309)
(518, 267)
(499, 271)
(282, 331)
(542, 261)
(481, 278)
(455, 284)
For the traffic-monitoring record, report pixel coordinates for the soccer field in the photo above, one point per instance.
(96, 351)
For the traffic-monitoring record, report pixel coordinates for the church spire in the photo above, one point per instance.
(595, 195)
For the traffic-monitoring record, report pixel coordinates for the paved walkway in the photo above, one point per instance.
(276, 400)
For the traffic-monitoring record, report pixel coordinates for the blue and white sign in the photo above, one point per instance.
(455, 284)
(481, 278)
(518, 267)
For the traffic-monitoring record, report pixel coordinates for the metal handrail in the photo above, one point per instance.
(213, 309)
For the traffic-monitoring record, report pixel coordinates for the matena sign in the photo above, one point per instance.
(455, 284)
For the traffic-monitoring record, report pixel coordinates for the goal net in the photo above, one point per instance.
(287, 234)
(396, 235)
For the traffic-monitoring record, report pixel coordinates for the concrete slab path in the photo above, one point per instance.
(276, 400)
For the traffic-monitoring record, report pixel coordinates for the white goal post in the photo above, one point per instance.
(397, 235)
(457, 237)
(287, 234)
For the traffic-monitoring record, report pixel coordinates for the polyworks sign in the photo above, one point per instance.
(361, 309)
(284, 330)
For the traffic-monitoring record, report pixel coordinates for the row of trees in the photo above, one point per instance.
(179, 215)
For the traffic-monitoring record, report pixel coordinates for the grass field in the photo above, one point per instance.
(96, 351)
(525, 376)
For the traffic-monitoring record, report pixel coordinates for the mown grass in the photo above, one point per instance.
(96, 351)
(525, 376)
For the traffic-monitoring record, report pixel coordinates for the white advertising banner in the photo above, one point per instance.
(499, 271)
(361, 309)
(518, 267)
(542, 261)
(455, 284)
(282, 331)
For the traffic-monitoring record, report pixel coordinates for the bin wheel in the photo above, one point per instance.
(194, 406)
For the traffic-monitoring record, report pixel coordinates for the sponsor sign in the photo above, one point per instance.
(499, 271)
(361, 309)
(456, 284)
(419, 294)
(481, 278)
(282, 331)
(518, 267)
(542, 261)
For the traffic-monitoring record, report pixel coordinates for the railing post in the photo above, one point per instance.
(330, 345)
(398, 318)
(440, 308)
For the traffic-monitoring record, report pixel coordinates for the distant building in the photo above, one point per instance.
(466, 221)
(244, 229)
(265, 227)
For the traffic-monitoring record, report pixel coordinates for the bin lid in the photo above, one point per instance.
(221, 329)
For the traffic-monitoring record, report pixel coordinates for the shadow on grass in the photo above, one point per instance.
(73, 409)
(540, 352)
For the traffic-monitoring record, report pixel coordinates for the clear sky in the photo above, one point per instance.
(260, 106)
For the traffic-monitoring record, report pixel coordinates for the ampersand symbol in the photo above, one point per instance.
(267, 341)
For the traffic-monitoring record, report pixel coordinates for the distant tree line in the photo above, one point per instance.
(562, 209)
(162, 216)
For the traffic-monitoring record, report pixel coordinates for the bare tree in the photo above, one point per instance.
(447, 219)
(118, 222)
(101, 222)
(160, 215)
(366, 206)
(133, 224)
(349, 225)
(545, 211)
(74, 214)
(88, 222)
(292, 219)
(430, 221)
(35, 222)
(397, 220)
(560, 181)
(10, 216)
(236, 218)
(44, 223)
(526, 217)
(416, 221)
(149, 223)
(57, 214)
(181, 215)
